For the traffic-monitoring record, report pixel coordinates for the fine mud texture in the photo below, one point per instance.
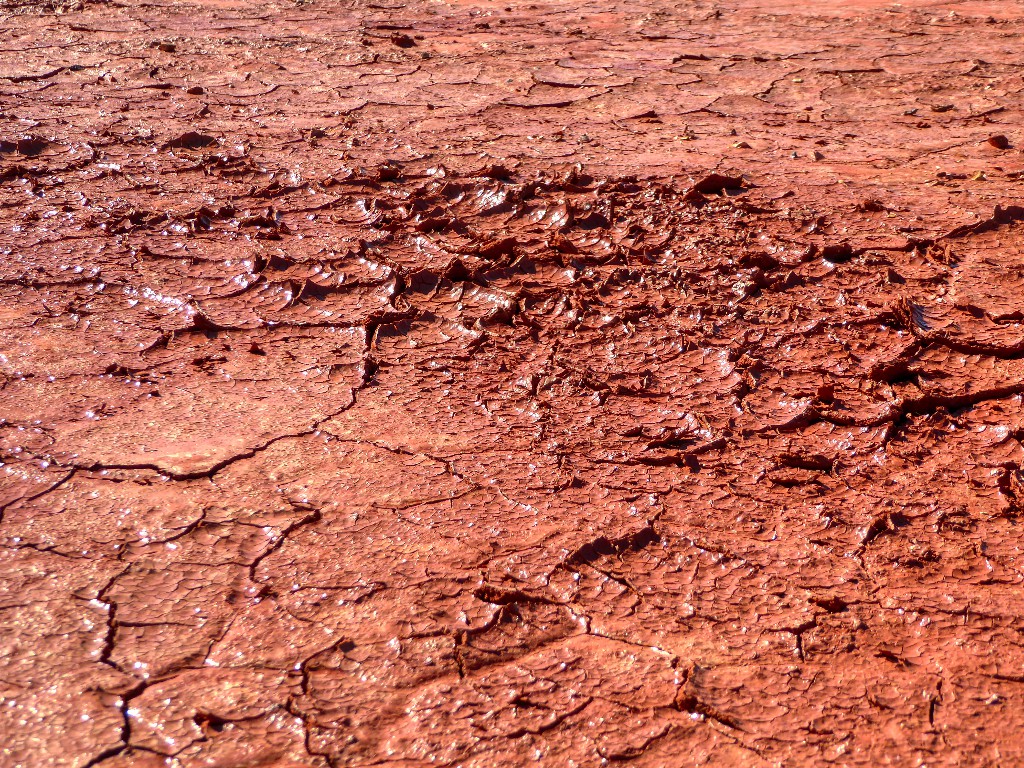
(480, 384)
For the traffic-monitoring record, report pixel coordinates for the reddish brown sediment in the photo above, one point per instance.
(477, 384)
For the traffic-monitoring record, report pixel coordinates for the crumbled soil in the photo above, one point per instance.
(403, 383)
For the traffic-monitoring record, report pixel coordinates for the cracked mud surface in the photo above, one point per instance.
(473, 384)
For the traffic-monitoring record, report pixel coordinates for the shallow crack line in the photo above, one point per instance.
(424, 502)
(223, 464)
(185, 531)
(110, 639)
(312, 517)
(109, 642)
(622, 581)
(632, 752)
(399, 451)
(40, 76)
(584, 702)
(690, 703)
(40, 494)
(673, 658)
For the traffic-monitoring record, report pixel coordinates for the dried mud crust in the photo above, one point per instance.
(405, 384)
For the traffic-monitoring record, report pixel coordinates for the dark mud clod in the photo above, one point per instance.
(191, 140)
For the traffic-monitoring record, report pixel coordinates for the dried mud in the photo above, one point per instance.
(478, 384)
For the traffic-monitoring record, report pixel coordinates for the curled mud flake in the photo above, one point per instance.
(26, 145)
(715, 184)
(191, 140)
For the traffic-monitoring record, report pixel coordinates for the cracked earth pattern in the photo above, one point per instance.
(438, 383)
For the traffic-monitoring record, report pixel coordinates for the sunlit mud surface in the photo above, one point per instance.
(432, 383)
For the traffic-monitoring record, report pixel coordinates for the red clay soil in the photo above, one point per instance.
(482, 384)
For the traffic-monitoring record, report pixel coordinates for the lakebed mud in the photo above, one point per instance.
(475, 384)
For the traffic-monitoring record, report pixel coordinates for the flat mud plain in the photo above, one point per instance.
(443, 383)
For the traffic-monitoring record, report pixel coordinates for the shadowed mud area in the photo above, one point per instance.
(438, 383)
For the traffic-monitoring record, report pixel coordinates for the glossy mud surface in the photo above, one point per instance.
(475, 384)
